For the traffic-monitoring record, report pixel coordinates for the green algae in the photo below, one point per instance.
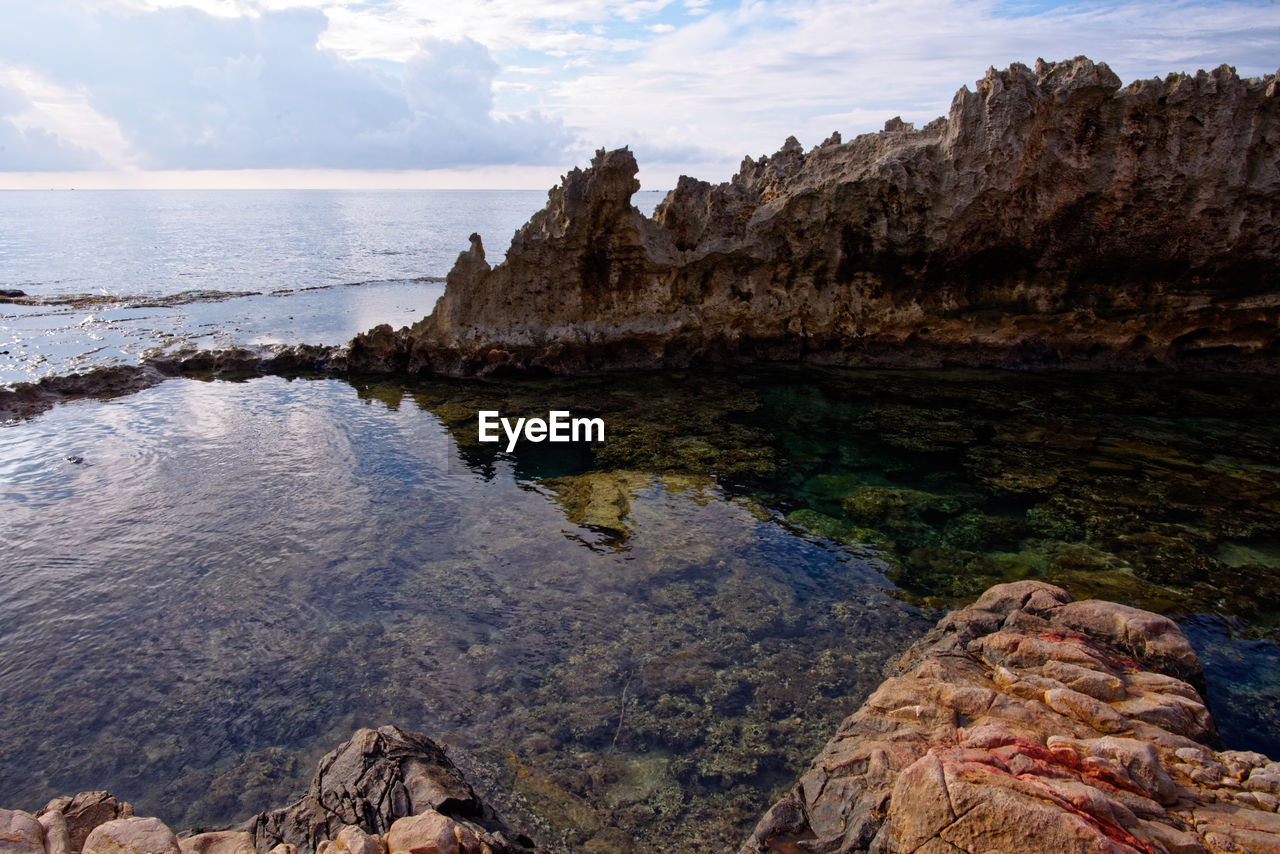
(1146, 489)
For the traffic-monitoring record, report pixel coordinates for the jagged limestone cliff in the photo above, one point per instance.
(1052, 219)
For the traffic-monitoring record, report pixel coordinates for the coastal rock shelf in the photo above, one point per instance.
(1054, 218)
(1031, 723)
(1026, 722)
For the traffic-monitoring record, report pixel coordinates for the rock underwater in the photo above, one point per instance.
(1052, 219)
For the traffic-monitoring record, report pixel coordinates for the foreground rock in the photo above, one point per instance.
(1024, 723)
(1052, 219)
(386, 791)
(392, 783)
(1030, 723)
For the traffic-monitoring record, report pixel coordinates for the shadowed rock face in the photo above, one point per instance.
(1052, 219)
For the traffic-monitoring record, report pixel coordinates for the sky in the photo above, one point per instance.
(510, 93)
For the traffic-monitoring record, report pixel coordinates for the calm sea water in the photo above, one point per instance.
(230, 267)
(630, 646)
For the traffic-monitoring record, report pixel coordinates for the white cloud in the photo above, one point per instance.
(407, 84)
(740, 81)
(190, 90)
(47, 126)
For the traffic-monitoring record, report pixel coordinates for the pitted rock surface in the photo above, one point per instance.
(1053, 218)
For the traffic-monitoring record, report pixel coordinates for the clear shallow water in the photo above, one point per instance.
(259, 267)
(645, 639)
(237, 575)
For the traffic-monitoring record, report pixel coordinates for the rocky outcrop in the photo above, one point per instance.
(379, 781)
(1031, 723)
(1054, 218)
(385, 791)
(28, 399)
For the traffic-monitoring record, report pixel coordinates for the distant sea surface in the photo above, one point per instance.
(116, 272)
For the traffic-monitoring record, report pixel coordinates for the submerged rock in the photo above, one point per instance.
(1054, 218)
(1027, 722)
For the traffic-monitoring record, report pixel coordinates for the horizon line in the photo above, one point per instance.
(509, 178)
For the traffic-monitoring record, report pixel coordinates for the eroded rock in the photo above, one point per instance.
(1053, 218)
(28, 399)
(1028, 722)
(370, 782)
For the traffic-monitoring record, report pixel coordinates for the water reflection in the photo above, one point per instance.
(639, 639)
(237, 575)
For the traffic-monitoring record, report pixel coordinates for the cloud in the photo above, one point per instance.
(44, 127)
(449, 89)
(740, 80)
(191, 90)
(420, 84)
(36, 150)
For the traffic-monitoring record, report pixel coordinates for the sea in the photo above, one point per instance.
(632, 645)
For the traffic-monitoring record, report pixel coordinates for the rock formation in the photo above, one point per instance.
(1052, 219)
(385, 782)
(29, 399)
(1031, 723)
(384, 791)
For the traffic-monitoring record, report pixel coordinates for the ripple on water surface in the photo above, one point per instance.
(233, 576)
(644, 639)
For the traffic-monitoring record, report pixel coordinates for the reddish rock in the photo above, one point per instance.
(84, 812)
(132, 836)
(432, 833)
(352, 840)
(1030, 723)
(20, 833)
(218, 842)
(57, 839)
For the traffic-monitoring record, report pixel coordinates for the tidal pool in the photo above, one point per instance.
(631, 645)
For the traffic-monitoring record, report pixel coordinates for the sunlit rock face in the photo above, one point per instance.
(1054, 218)
(1029, 722)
